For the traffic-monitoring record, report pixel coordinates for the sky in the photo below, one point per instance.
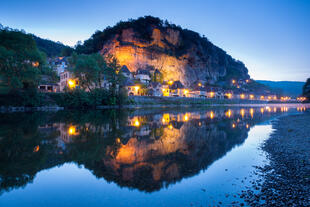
(272, 37)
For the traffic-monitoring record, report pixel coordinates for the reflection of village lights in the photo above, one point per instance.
(274, 109)
(251, 96)
(251, 112)
(137, 88)
(185, 117)
(228, 95)
(242, 96)
(71, 130)
(247, 126)
(211, 115)
(36, 148)
(228, 113)
(233, 125)
(137, 123)
(262, 110)
(242, 112)
(71, 83)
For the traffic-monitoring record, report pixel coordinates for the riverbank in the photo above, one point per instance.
(286, 179)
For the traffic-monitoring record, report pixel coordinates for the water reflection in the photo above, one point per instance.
(145, 150)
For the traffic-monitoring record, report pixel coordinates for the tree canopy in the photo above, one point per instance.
(20, 60)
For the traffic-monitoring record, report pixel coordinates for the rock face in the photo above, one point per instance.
(177, 53)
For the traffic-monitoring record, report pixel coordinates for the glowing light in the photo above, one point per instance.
(170, 126)
(228, 95)
(242, 112)
(36, 148)
(274, 109)
(228, 113)
(251, 96)
(71, 83)
(233, 125)
(242, 96)
(199, 84)
(71, 130)
(247, 80)
(252, 112)
(166, 118)
(247, 126)
(211, 94)
(35, 64)
(137, 88)
(233, 81)
(262, 110)
(186, 117)
(170, 82)
(274, 97)
(211, 115)
(137, 123)
(262, 97)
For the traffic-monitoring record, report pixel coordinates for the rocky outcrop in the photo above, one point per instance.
(178, 53)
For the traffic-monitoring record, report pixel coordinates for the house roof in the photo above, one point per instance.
(176, 85)
(142, 72)
(124, 69)
(154, 85)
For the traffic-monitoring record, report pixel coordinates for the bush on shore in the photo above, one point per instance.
(72, 99)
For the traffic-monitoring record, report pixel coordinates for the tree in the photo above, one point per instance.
(306, 89)
(89, 69)
(20, 60)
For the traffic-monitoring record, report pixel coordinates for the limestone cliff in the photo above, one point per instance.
(178, 53)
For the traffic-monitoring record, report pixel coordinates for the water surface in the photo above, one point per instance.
(156, 157)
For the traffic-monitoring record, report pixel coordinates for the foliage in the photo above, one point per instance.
(51, 48)
(89, 69)
(306, 89)
(29, 98)
(80, 99)
(20, 60)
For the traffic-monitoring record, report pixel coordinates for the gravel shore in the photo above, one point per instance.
(285, 181)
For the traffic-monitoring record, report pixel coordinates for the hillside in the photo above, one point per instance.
(287, 88)
(49, 47)
(179, 54)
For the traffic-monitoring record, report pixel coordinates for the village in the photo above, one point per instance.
(150, 82)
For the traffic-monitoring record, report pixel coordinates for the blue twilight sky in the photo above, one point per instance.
(272, 37)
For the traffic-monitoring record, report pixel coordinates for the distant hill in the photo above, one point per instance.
(288, 88)
(50, 47)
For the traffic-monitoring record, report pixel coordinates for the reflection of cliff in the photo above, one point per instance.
(144, 152)
(150, 164)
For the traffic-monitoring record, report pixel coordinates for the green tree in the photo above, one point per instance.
(20, 60)
(89, 69)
